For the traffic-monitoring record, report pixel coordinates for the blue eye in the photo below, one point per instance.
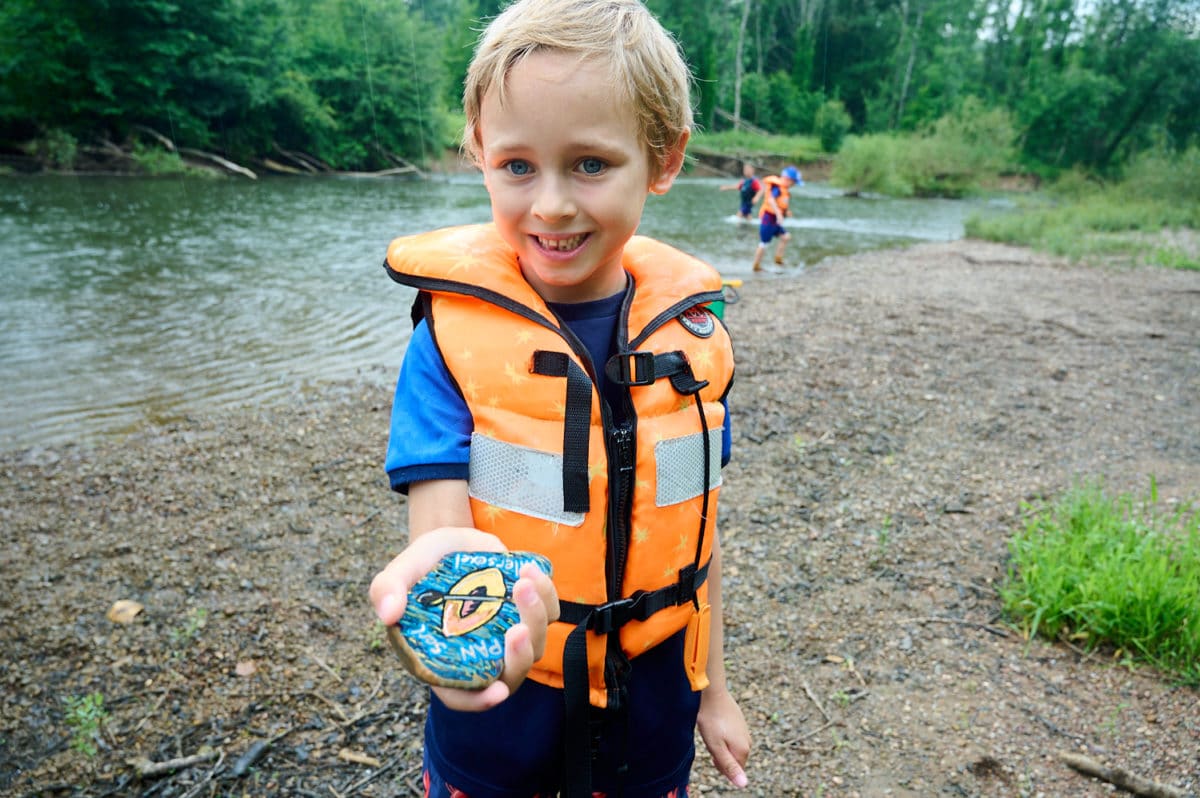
(592, 166)
(518, 168)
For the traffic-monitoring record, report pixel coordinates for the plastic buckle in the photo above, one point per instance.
(609, 617)
(635, 368)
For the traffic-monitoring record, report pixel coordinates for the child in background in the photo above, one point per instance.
(774, 208)
(564, 392)
(748, 188)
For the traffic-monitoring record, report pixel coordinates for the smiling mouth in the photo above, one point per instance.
(562, 244)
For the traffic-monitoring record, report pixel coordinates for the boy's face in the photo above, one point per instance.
(567, 173)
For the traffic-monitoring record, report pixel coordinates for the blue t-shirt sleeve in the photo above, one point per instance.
(726, 436)
(430, 435)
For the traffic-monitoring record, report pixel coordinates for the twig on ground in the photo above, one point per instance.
(1138, 785)
(332, 704)
(152, 713)
(212, 774)
(320, 663)
(147, 769)
(996, 630)
(379, 773)
(808, 734)
(808, 691)
(346, 755)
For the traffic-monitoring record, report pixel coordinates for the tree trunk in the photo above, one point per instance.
(737, 67)
(914, 37)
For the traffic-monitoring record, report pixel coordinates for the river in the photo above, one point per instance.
(128, 300)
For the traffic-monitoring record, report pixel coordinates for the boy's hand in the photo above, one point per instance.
(534, 595)
(725, 734)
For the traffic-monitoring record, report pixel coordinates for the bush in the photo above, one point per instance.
(983, 138)
(831, 125)
(870, 164)
(949, 159)
(1160, 175)
(57, 149)
(158, 162)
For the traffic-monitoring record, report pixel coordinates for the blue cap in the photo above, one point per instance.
(794, 174)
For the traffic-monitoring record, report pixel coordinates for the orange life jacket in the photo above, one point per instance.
(781, 202)
(624, 514)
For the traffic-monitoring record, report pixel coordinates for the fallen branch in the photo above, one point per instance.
(305, 160)
(225, 164)
(284, 169)
(167, 144)
(1130, 782)
(147, 769)
(399, 170)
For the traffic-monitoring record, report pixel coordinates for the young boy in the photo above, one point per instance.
(748, 188)
(563, 392)
(774, 209)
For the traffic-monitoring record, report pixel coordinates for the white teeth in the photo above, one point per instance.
(561, 244)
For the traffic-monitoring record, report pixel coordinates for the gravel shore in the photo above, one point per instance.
(893, 412)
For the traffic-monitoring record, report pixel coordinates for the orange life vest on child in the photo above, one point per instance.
(626, 515)
(781, 201)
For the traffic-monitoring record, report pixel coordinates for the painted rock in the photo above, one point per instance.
(452, 631)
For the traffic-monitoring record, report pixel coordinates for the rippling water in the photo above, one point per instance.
(126, 299)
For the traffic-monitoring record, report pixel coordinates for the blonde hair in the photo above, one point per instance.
(648, 70)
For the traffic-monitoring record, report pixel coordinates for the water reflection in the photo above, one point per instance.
(127, 299)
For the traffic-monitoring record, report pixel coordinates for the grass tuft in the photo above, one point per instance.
(1111, 572)
(1080, 216)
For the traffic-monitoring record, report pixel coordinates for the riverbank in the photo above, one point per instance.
(893, 411)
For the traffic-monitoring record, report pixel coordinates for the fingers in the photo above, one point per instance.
(389, 588)
(725, 734)
(728, 762)
(533, 594)
(519, 656)
(473, 700)
(524, 643)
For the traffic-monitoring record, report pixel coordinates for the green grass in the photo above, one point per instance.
(1113, 573)
(741, 144)
(1080, 216)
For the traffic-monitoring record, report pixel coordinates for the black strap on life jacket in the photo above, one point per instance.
(631, 369)
(576, 427)
(643, 368)
(606, 619)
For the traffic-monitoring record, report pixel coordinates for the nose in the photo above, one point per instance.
(553, 200)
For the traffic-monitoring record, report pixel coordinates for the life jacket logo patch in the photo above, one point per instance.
(698, 321)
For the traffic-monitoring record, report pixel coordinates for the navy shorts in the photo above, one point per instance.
(437, 787)
(768, 229)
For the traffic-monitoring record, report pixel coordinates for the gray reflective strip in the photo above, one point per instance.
(679, 466)
(517, 478)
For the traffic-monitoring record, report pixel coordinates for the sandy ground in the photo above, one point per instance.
(893, 412)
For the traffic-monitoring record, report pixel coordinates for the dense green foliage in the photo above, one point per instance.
(1079, 216)
(1110, 571)
(348, 83)
(948, 159)
(354, 82)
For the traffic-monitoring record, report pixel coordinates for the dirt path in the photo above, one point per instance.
(893, 411)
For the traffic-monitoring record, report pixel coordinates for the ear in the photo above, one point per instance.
(672, 164)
